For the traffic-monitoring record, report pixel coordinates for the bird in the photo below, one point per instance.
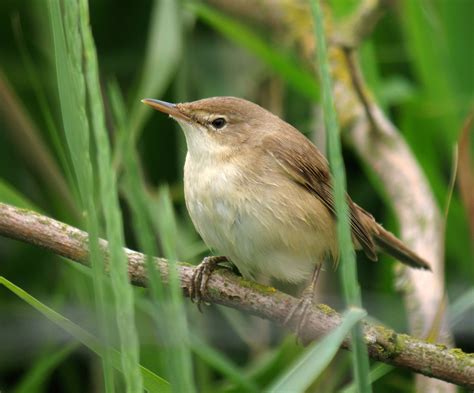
(260, 194)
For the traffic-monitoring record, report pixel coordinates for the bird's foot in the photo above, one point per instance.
(298, 317)
(200, 278)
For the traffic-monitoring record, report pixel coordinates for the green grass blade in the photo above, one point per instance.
(309, 366)
(35, 81)
(163, 52)
(169, 313)
(264, 369)
(37, 375)
(377, 372)
(135, 193)
(175, 306)
(123, 292)
(460, 306)
(8, 194)
(348, 268)
(282, 64)
(72, 98)
(152, 382)
(222, 364)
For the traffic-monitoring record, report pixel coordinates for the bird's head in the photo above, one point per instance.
(218, 124)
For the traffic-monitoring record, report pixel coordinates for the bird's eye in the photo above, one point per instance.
(218, 123)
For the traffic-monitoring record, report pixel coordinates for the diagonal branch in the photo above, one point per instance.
(227, 289)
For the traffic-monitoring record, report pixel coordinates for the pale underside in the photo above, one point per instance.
(254, 221)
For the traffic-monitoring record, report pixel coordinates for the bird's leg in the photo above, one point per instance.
(299, 312)
(201, 274)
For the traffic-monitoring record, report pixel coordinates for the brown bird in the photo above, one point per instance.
(259, 192)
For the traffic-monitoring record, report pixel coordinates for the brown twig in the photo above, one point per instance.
(227, 289)
(358, 84)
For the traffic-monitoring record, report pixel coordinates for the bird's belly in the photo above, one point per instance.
(256, 229)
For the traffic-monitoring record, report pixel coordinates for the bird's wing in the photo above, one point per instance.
(300, 160)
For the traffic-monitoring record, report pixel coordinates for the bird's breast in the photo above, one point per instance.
(264, 224)
(212, 195)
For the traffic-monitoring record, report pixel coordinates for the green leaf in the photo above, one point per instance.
(309, 366)
(151, 381)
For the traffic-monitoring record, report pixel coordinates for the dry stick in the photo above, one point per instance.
(227, 289)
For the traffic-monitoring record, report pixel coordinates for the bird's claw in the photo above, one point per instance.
(298, 317)
(200, 278)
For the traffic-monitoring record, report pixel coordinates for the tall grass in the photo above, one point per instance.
(123, 292)
(79, 92)
(152, 382)
(72, 98)
(305, 370)
(347, 268)
(164, 49)
(168, 308)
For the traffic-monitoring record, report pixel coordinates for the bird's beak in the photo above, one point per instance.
(166, 107)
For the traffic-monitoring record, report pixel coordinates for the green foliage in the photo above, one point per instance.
(123, 292)
(309, 366)
(152, 382)
(9, 195)
(283, 64)
(122, 162)
(72, 97)
(38, 374)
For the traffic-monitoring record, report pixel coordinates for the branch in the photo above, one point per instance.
(229, 290)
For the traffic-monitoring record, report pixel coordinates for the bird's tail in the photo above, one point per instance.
(388, 243)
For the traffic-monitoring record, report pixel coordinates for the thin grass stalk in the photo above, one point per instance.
(348, 268)
(68, 57)
(34, 79)
(135, 195)
(176, 313)
(313, 361)
(170, 320)
(164, 48)
(152, 382)
(122, 290)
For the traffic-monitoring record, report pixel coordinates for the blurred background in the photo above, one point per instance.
(418, 63)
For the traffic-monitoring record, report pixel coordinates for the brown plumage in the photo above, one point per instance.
(259, 192)
(304, 164)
